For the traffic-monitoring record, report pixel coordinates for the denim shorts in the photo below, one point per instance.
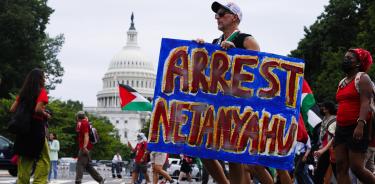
(344, 135)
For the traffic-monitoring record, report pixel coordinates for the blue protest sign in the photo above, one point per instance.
(235, 105)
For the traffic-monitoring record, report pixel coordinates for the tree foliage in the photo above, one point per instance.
(344, 24)
(24, 44)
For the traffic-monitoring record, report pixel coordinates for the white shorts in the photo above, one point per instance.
(158, 158)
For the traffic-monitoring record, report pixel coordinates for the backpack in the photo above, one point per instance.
(93, 135)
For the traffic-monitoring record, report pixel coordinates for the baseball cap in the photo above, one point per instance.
(81, 114)
(235, 9)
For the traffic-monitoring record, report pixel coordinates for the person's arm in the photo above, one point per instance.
(365, 93)
(85, 142)
(324, 149)
(251, 44)
(55, 146)
(14, 106)
(130, 146)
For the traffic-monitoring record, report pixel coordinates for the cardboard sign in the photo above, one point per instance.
(235, 105)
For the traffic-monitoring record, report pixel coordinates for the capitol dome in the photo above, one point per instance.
(129, 66)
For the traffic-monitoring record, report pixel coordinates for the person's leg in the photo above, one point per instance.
(42, 166)
(205, 175)
(135, 175)
(155, 175)
(342, 164)
(54, 166)
(333, 166)
(328, 175)
(93, 173)
(236, 173)
(113, 170)
(215, 170)
(50, 171)
(24, 168)
(298, 171)
(80, 167)
(284, 176)
(261, 173)
(370, 159)
(356, 161)
(321, 169)
(159, 170)
(144, 171)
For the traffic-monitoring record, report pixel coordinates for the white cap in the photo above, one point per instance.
(235, 9)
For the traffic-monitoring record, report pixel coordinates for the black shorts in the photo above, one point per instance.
(344, 135)
(138, 168)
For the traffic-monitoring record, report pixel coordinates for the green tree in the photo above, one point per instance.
(343, 24)
(24, 44)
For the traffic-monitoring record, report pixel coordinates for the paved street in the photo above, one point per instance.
(5, 178)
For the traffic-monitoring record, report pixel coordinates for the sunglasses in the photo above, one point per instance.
(222, 13)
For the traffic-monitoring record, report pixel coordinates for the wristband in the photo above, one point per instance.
(362, 120)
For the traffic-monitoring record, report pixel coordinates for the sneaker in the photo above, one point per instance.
(172, 181)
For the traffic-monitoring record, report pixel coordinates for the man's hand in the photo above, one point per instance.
(358, 131)
(318, 153)
(199, 40)
(85, 151)
(227, 45)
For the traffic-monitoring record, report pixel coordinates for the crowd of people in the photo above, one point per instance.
(344, 145)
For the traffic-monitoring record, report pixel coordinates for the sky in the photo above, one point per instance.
(95, 30)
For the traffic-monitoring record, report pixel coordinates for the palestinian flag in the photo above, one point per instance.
(309, 109)
(131, 100)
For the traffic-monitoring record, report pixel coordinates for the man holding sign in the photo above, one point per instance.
(237, 105)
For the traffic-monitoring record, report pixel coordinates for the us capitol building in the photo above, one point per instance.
(131, 67)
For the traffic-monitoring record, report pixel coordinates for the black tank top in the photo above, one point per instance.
(238, 40)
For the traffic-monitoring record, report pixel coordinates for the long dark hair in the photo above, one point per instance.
(31, 87)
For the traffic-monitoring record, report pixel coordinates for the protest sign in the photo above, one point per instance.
(235, 105)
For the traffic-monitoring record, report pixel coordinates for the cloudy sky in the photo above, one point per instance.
(95, 30)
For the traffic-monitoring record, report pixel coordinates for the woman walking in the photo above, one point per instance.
(32, 147)
(352, 135)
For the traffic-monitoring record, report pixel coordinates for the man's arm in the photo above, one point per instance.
(251, 44)
(85, 142)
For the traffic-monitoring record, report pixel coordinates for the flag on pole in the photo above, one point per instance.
(309, 109)
(131, 100)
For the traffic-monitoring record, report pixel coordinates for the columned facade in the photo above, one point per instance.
(129, 66)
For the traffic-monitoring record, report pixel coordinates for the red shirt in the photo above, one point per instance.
(348, 105)
(140, 150)
(43, 97)
(83, 127)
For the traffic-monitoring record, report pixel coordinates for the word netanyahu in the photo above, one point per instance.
(227, 129)
(235, 105)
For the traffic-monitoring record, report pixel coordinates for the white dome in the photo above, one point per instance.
(129, 66)
(130, 58)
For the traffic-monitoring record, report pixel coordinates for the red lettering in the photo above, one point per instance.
(274, 85)
(219, 66)
(207, 129)
(239, 121)
(223, 126)
(268, 134)
(239, 77)
(198, 110)
(173, 70)
(178, 119)
(250, 131)
(282, 145)
(160, 114)
(292, 83)
(200, 61)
